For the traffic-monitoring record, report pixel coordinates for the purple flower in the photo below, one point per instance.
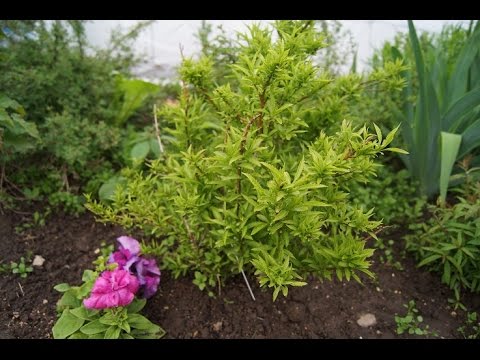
(112, 289)
(148, 275)
(127, 253)
(129, 259)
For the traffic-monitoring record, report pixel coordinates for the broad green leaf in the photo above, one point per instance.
(113, 332)
(94, 327)
(109, 319)
(66, 325)
(107, 190)
(124, 325)
(82, 313)
(140, 150)
(135, 92)
(69, 299)
(78, 335)
(140, 322)
(136, 305)
(62, 287)
(450, 144)
(155, 147)
(142, 334)
(89, 275)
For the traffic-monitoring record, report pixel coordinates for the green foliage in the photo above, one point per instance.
(448, 241)
(48, 71)
(132, 95)
(220, 48)
(448, 102)
(115, 323)
(240, 186)
(411, 322)
(78, 322)
(471, 329)
(15, 133)
(21, 268)
(392, 195)
(66, 139)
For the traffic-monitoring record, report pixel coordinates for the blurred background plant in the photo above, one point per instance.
(69, 113)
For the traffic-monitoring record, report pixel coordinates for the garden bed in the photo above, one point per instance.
(318, 310)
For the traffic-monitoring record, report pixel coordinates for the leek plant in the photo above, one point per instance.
(444, 123)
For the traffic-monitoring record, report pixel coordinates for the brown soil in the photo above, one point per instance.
(318, 310)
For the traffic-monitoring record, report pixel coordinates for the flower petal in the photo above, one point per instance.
(125, 297)
(130, 244)
(151, 286)
(91, 302)
(118, 257)
(102, 286)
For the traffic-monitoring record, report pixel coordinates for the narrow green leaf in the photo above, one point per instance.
(379, 133)
(469, 101)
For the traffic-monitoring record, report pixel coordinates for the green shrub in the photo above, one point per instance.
(237, 187)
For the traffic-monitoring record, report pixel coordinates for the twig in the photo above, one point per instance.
(189, 232)
(2, 175)
(20, 212)
(21, 289)
(157, 130)
(245, 132)
(65, 177)
(379, 230)
(248, 285)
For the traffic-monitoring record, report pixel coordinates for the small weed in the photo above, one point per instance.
(21, 268)
(471, 329)
(386, 256)
(411, 322)
(38, 220)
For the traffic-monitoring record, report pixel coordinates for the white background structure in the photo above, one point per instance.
(160, 42)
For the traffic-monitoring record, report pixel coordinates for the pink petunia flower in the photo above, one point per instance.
(112, 289)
